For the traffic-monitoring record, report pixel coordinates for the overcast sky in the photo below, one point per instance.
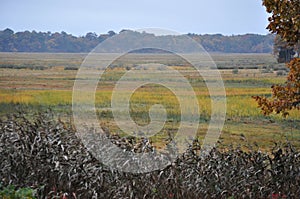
(189, 16)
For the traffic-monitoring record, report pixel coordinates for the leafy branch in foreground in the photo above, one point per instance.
(285, 19)
(286, 96)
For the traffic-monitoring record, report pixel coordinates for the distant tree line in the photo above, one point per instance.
(48, 42)
(33, 41)
(247, 43)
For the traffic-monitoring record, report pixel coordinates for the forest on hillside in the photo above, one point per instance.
(33, 41)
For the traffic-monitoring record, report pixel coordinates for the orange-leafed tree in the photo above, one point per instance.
(285, 21)
(285, 97)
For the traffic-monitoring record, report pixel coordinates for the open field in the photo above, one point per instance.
(43, 157)
(38, 80)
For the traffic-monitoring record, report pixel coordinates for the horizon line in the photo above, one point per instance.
(98, 34)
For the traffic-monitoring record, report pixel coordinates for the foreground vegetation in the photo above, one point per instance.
(44, 154)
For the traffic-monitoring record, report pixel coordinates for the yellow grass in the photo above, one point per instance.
(53, 87)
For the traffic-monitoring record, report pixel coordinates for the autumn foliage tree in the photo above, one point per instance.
(286, 96)
(285, 21)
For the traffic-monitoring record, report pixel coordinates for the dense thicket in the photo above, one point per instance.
(33, 41)
(45, 154)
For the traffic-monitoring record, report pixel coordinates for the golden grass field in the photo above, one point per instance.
(52, 87)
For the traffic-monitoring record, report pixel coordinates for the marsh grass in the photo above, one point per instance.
(52, 88)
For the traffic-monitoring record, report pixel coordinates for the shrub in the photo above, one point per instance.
(10, 192)
(70, 68)
(235, 71)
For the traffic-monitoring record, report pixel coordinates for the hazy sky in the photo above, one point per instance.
(189, 16)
